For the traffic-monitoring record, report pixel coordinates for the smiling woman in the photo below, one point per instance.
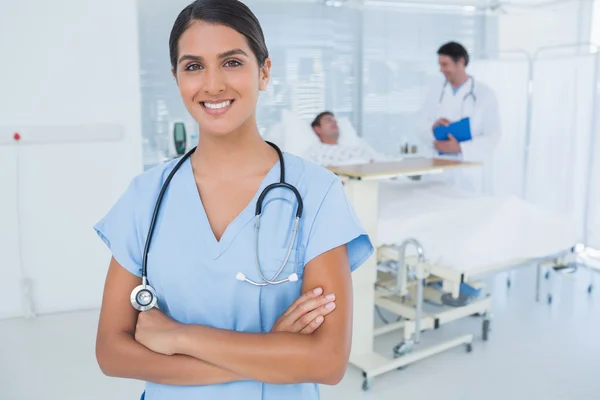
(185, 228)
(229, 73)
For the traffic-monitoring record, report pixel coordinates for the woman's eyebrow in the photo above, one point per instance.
(233, 53)
(188, 57)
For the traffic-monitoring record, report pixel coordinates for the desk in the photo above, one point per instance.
(362, 189)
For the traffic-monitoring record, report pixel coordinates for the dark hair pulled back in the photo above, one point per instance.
(232, 13)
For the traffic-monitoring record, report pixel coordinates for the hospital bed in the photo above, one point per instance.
(431, 240)
(460, 231)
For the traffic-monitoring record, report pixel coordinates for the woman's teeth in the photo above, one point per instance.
(216, 106)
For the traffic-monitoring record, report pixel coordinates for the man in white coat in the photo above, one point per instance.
(460, 96)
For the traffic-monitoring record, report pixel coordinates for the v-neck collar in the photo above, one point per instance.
(212, 247)
(459, 89)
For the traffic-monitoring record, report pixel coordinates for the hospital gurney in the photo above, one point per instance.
(469, 235)
(435, 256)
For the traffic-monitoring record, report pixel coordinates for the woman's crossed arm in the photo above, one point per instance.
(276, 357)
(120, 355)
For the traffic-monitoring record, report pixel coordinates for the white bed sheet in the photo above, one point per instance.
(467, 232)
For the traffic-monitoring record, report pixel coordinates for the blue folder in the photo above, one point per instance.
(461, 130)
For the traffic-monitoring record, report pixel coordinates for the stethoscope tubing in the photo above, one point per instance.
(144, 296)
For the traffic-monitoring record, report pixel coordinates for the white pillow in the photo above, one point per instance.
(295, 135)
(298, 134)
(348, 135)
(275, 134)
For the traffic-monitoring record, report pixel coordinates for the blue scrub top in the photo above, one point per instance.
(195, 275)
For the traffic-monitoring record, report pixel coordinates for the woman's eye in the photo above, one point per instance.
(233, 63)
(192, 67)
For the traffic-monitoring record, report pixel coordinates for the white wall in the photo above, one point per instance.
(524, 26)
(67, 65)
(10, 276)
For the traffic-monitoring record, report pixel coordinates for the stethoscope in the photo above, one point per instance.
(143, 297)
(470, 94)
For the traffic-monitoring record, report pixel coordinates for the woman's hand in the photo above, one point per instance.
(157, 331)
(306, 314)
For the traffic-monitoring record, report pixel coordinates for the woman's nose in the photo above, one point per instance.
(214, 82)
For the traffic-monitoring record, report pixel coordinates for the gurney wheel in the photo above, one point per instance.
(460, 301)
(367, 383)
(590, 289)
(469, 347)
(485, 329)
(403, 349)
(549, 299)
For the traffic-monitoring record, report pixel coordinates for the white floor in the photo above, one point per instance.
(535, 351)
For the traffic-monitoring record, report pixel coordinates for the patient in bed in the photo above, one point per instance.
(329, 152)
(459, 230)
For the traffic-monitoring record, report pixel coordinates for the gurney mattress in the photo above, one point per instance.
(467, 232)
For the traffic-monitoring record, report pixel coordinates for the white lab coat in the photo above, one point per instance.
(485, 130)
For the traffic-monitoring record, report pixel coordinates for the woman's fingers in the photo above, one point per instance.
(313, 326)
(306, 314)
(310, 322)
(308, 306)
(305, 297)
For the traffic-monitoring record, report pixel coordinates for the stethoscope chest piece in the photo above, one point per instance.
(143, 297)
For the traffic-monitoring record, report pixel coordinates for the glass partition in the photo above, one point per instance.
(371, 65)
(400, 63)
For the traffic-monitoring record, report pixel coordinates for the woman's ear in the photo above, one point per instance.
(174, 73)
(265, 75)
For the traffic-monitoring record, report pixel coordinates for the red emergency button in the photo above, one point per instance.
(17, 136)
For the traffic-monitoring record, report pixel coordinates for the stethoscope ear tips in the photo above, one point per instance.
(241, 277)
